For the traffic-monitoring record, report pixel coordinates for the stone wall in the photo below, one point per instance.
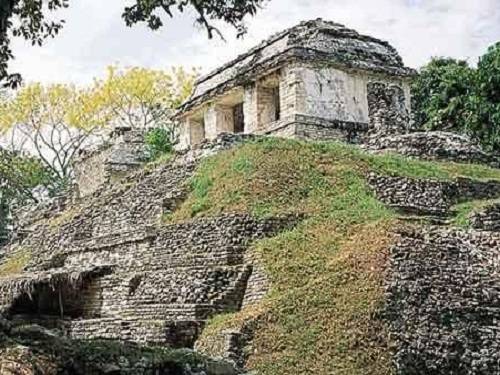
(165, 279)
(434, 145)
(325, 100)
(387, 107)
(487, 219)
(218, 119)
(443, 301)
(331, 94)
(429, 196)
(90, 171)
(165, 284)
(311, 41)
(125, 152)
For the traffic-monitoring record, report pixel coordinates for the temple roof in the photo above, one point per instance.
(310, 40)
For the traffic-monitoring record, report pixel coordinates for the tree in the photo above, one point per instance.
(30, 19)
(26, 19)
(440, 94)
(54, 122)
(450, 95)
(145, 98)
(484, 105)
(230, 11)
(141, 97)
(20, 175)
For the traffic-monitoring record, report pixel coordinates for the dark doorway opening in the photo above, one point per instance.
(276, 102)
(239, 118)
(45, 301)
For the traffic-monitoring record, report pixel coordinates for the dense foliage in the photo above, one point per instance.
(20, 175)
(32, 21)
(160, 141)
(450, 95)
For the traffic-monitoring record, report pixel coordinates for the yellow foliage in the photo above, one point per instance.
(134, 95)
(140, 96)
(37, 106)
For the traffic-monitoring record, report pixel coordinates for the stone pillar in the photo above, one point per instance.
(250, 108)
(387, 108)
(266, 107)
(259, 107)
(184, 135)
(218, 119)
(196, 131)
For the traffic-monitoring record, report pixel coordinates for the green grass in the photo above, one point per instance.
(271, 176)
(464, 210)
(322, 314)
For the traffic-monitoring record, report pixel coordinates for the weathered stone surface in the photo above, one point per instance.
(443, 301)
(487, 218)
(433, 145)
(136, 278)
(429, 196)
(310, 40)
(124, 152)
(316, 80)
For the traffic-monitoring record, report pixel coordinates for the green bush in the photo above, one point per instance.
(159, 141)
(484, 105)
(450, 95)
(440, 94)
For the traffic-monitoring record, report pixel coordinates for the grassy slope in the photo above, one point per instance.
(322, 314)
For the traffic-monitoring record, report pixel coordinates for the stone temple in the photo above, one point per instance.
(317, 80)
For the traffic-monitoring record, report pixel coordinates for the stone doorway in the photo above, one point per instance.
(238, 118)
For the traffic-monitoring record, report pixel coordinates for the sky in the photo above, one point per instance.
(95, 35)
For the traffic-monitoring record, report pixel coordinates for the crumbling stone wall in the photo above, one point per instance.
(323, 71)
(435, 145)
(218, 119)
(443, 301)
(174, 277)
(124, 152)
(429, 196)
(388, 108)
(90, 171)
(164, 280)
(487, 218)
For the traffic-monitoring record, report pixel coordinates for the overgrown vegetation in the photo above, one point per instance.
(15, 263)
(50, 353)
(160, 142)
(252, 178)
(464, 210)
(450, 95)
(322, 315)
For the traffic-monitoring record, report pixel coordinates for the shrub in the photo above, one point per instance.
(159, 141)
(450, 95)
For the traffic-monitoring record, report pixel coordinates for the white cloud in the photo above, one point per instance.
(95, 35)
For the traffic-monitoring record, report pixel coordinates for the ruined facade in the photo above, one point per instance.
(108, 264)
(317, 80)
(108, 267)
(124, 151)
